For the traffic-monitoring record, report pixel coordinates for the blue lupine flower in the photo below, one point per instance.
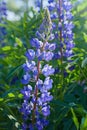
(38, 3)
(45, 96)
(46, 111)
(36, 43)
(3, 9)
(71, 68)
(26, 78)
(35, 107)
(27, 91)
(30, 54)
(47, 70)
(51, 6)
(52, 47)
(50, 1)
(63, 13)
(48, 83)
(29, 65)
(48, 56)
(24, 126)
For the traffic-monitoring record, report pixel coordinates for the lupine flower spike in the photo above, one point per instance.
(61, 10)
(36, 108)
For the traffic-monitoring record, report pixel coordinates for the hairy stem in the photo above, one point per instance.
(36, 93)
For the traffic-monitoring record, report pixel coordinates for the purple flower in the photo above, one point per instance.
(39, 83)
(28, 66)
(71, 68)
(26, 78)
(63, 33)
(48, 56)
(24, 126)
(46, 97)
(39, 125)
(31, 127)
(46, 111)
(35, 107)
(68, 53)
(30, 54)
(50, 1)
(27, 91)
(67, 5)
(52, 47)
(38, 3)
(47, 70)
(54, 16)
(36, 43)
(51, 6)
(48, 83)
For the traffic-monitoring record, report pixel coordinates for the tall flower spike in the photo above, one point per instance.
(61, 13)
(35, 107)
(61, 10)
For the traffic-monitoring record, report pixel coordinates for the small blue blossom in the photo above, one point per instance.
(24, 126)
(51, 6)
(45, 96)
(46, 110)
(30, 54)
(36, 43)
(48, 56)
(29, 65)
(26, 78)
(50, 1)
(27, 91)
(47, 70)
(48, 83)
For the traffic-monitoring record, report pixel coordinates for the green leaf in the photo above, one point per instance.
(85, 36)
(61, 116)
(13, 71)
(11, 95)
(75, 119)
(84, 62)
(18, 41)
(6, 48)
(83, 125)
(1, 99)
(20, 95)
(11, 117)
